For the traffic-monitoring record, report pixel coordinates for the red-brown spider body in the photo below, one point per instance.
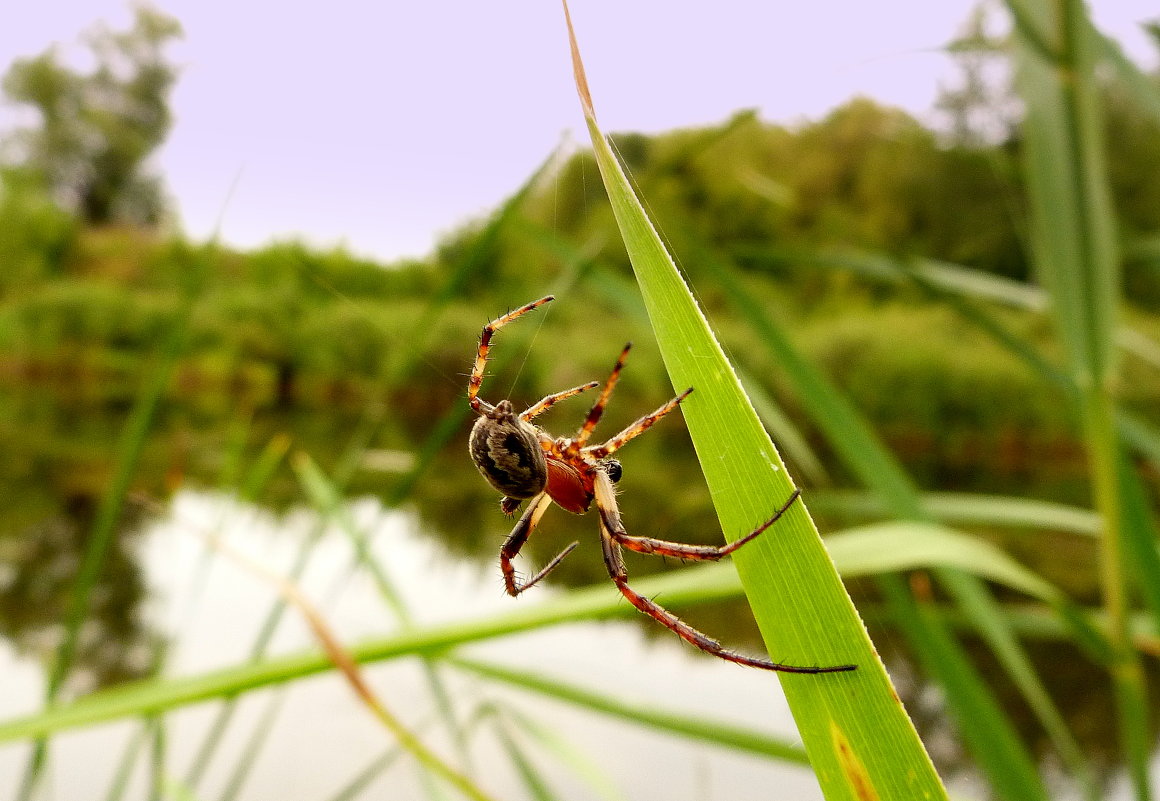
(525, 463)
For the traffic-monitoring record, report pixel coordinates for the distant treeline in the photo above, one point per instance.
(286, 324)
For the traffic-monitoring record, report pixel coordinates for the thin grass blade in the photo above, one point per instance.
(1074, 246)
(721, 734)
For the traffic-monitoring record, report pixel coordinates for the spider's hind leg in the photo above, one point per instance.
(613, 535)
(616, 570)
(680, 550)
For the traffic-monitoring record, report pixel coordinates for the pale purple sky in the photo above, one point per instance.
(380, 125)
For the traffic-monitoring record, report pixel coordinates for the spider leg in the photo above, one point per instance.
(635, 430)
(614, 561)
(516, 540)
(548, 402)
(680, 550)
(476, 380)
(597, 410)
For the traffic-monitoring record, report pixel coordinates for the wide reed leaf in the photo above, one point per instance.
(987, 732)
(858, 737)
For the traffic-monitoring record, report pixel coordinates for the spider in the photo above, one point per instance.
(524, 462)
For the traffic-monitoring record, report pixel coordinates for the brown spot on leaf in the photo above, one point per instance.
(852, 767)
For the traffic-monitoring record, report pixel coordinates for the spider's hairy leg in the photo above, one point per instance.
(597, 409)
(614, 561)
(548, 402)
(680, 550)
(515, 542)
(635, 430)
(476, 380)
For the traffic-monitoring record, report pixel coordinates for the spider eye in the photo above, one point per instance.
(613, 470)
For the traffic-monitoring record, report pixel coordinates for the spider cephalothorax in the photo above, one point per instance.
(523, 462)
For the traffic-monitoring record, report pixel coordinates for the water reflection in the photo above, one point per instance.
(211, 607)
(58, 463)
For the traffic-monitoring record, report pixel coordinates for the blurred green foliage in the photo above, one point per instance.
(297, 339)
(302, 326)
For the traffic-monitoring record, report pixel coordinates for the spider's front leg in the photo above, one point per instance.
(478, 405)
(515, 542)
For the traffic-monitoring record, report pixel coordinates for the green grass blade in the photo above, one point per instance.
(968, 509)
(867, 745)
(348, 462)
(359, 783)
(982, 723)
(1008, 763)
(250, 483)
(903, 545)
(1073, 232)
(1074, 245)
(793, 441)
(582, 765)
(249, 752)
(1141, 538)
(536, 785)
(1140, 85)
(328, 500)
(725, 735)
(482, 251)
(1140, 435)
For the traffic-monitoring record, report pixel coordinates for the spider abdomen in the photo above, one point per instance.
(507, 452)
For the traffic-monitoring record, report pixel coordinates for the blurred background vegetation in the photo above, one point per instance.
(836, 225)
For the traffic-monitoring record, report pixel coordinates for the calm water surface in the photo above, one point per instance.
(324, 736)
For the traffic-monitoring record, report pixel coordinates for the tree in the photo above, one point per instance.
(980, 108)
(96, 131)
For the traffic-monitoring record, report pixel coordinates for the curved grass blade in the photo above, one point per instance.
(223, 718)
(349, 669)
(327, 499)
(990, 735)
(906, 545)
(681, 589)
(535, 783)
